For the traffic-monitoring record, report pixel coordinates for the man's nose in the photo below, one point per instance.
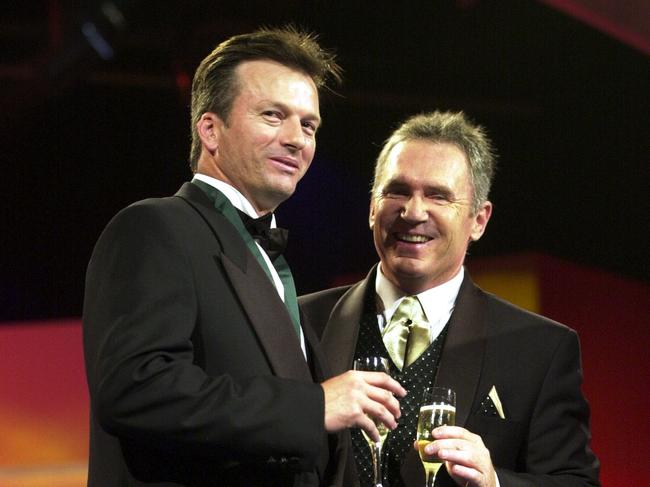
(292, 134)
(414, 210)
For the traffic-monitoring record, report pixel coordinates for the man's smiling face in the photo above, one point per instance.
(421, 215)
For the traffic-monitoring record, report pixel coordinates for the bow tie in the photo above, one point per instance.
(272, 240)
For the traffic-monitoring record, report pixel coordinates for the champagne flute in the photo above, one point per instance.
(375, 364)
(438, 407)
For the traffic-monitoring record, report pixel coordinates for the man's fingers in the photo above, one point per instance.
(456, 454)
(380, 412)
(381, 389)
(442, 432)
(465, 454)
(354, 395)
(368, 425)
(384, 398)
(383, 380)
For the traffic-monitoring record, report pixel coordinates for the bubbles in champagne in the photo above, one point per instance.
(432, 416)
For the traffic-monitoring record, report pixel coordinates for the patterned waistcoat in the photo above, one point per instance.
(413, 378)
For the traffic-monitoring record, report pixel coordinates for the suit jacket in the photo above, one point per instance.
(195, 371)
(533, 362)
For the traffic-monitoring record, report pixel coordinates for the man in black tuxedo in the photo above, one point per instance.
(521, 419)
(199, 369)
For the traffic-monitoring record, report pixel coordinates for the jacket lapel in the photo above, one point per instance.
(259, 298)
(340, 336)
(269, 317)
(464, 349)
(317, 361)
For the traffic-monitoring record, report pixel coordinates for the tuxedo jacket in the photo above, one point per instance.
(533, 362)
(195, 371)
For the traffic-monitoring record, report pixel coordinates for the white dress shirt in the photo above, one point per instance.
(437, 302)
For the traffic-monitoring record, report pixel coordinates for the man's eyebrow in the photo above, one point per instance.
(398, 181)
(394, 183)
(439, 188)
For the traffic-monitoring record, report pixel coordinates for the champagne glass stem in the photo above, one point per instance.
(431, 478)
(376, 463)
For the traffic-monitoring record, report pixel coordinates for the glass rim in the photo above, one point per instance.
(438, 395)
(371, 362)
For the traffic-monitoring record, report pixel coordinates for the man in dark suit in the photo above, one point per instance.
(521, 419)
(199, 369)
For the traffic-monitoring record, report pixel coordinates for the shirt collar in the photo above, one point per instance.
(235, 197)
(436, 302)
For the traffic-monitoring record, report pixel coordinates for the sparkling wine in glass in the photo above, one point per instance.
(438, 407)
(375, 364)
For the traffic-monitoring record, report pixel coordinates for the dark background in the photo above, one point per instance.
(81, 137)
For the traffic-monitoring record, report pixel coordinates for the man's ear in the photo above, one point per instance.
(371, 213)
(209, 129)
(481, 220)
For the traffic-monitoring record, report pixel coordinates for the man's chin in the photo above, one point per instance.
(278, 193)
(409, 271)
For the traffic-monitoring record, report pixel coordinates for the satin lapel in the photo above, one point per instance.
(340, 336)
(462, 355)
(257, 294)
(319, 365)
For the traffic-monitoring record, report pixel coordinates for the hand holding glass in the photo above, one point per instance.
(438, 407)
(375, 364)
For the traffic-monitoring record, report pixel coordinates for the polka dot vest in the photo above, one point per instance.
(413, 378)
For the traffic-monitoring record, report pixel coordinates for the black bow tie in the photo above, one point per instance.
(272, 240)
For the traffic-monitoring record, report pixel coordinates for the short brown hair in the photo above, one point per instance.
(214, 87)
(452, 128)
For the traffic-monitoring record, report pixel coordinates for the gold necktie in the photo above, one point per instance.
(407, 333)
